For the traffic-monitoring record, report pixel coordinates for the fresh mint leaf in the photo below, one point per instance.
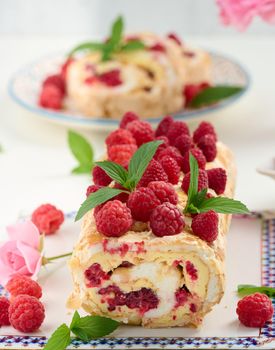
(88, 46)
(199, 197)
(75, 319)
(116, 34)
(193, 184)
(223, 205)
(214, 94)
(115, 171)
(133, 45)
(246, 289)
(82, 151)
(96, 198)
(141, 160)
(90, 327)
(60, 338)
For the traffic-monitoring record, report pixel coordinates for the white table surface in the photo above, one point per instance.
(36, 162)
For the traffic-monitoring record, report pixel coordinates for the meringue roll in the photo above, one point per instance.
(142, 279)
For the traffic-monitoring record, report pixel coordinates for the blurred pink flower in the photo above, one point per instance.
(20, 254)
(240, 13)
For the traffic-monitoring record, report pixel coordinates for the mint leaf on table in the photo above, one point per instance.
(60, 338)
(246, 289)
(75, 319)
(114, 170)
(82, 151)
(214, 94)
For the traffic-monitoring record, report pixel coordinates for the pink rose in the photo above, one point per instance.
(240, 13)
(20, 254)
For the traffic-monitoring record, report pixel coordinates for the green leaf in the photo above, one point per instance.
(96, 198)
(132, 46)
(214, 94)
(88, 46)
(91, 327)
(193, 184)
(75, 319)
(114, 170)
(60, 338)
(199, 197)
(223, 205)
(140, 161)
(246, 289)
(82, 151)
(116, 34)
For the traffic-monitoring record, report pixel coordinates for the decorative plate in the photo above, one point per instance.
(220, 329)
(25, 85)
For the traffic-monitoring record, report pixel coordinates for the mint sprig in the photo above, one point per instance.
(113, 45)
(246, 289)
(127, 179)
(197, 202)
(84, 328)
(82, 151)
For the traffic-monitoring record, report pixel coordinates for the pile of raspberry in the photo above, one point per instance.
(155, 200)
(22, 310)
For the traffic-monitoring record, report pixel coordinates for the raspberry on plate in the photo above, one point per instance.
(208, 146)
(127, 118)
(26, 313)
(171, 152)
(55, 80)
(217, 179)
(197, 153)
(47, 218)
(4, 311)
(184, 143)
(192, 90)
(166, 220)
(176, 129)
(141, 203)
(203, 129)
(171, 168)
(20, 284)
(141, 131)
(202, 181)
(51, 97)
(92, 189)
(100, 177)
(164, 191)
(164, 125)
(154, 172)
(120, 137)
(205, 226)
(113, 219)
(255, 310)
(121, 154)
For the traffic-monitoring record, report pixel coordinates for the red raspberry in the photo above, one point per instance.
(20, 284)
(100, 178)
(51, 97)
(181, 296)
(114, 219)
(173, 36)
(127, 118)
(95, 275)
(165, 192)
(47, 218)
(205, 225)
(92, 189)
(172, 152)
(166, 220)
(121, 154)
(176, 129)
(154, 172)
(141, 130)
(171, 168)
(123, 197)
(143, 299)
(120, 137)
(164, 125)
(4, 311)
(142, 202)
(162, 146)
(217, 179)
(208, 146)
(197, 153)
(26, 313)
(184, 143)
(64, 68)
(190, 91)
(204, 128)
(191, 270)
(111, 78)
(202, 181)
(255, 310)
(55, 80)
(157, 47)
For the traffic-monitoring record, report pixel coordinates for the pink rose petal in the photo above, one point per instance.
(26, 232)
(31, 256)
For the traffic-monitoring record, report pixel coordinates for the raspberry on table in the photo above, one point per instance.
(47, 218)
(166, 220)
(255, 310)
(171, 168)
(121, 154)
(190, 91)
(176, 129)
(202, 181)
(92, 189)
(128, 118)
(100, 177)
(206, 225)
(20, 284)
(26, 313)
(120, 137)
(171, 152)
(164, 125)
(154, 172)
(217, 179)
(141, 203)
(197, 153)
(51, 97)
(141, 131)
(203, 129)
(111, 78)
(164, 191)
(173, 36)
(4, 311)
(55, 80)
(208, 146)
(113, 219)
(184, 143)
